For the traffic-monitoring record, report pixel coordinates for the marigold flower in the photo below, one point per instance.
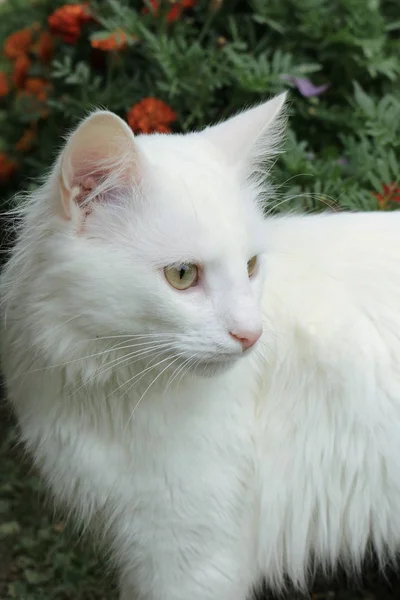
(25, 142)
(117, 40)
(7, 167)
(44, 47)
(21, 68)
(176, 10)
(35, 86)
(34, 94)
(151, 115)
(391, 193)
(18, 43)
(4, 87)
(67, 21)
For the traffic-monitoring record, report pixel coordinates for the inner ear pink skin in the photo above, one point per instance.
(86, 186)
(100, 155)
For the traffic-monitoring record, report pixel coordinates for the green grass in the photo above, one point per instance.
(40, 558)
(43, 559)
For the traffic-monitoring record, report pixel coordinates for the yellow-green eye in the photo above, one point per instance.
(182, 277)
(251, 265)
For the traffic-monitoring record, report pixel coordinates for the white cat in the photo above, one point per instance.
(133, 304)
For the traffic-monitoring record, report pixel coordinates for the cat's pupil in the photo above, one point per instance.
(181, 276)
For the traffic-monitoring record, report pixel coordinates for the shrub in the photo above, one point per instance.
(178, 65)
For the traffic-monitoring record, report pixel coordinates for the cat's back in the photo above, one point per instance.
(329, 413)
(332, 310)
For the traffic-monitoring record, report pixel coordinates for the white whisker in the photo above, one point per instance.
(149, 386)
(116, 363)
(178, 370)
(107, 350)
(140, 374)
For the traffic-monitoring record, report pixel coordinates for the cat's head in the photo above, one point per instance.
(160, 238)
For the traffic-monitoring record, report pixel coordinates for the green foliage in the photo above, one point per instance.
(343, 146)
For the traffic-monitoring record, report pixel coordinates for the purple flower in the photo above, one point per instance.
(305, 86)
(343, 162)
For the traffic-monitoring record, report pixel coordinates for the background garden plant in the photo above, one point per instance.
(178, 65)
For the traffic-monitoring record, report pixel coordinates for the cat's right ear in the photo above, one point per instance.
(251, 136)
(99, 160)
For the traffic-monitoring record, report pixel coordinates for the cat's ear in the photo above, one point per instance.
(251, 136)
(100, 158)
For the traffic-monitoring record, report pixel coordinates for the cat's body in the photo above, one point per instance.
(285, 457)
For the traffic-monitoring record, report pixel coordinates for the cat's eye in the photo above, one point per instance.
(251, 266)
(182, 276)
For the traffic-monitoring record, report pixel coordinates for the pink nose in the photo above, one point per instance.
(246, 338)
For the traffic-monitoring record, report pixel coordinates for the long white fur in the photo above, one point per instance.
(282, 458)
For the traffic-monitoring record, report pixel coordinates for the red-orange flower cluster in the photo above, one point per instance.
(117, 40)
(37, 87)
(20, 47)
(391, 193)
(176, 10)
(4, 87)
(18, 43)
(7, 167)
(34, 94)
(21, 68)
(151, 115)
(44, 47)
(67, 21)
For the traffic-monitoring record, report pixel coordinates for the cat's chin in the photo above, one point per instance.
(214, 367)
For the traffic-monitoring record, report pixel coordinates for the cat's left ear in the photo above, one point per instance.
(251, 136)
(99, 160)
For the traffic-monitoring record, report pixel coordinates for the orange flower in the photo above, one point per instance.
(21, 68)
(115, 41)
(37, 87)
(4, 87)
(18, 43)
(25, 142)
(44, 47)
(151, 115)
(7, 167)
(67, 21)
(391, 193)
(178, 6)
(34, 94)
